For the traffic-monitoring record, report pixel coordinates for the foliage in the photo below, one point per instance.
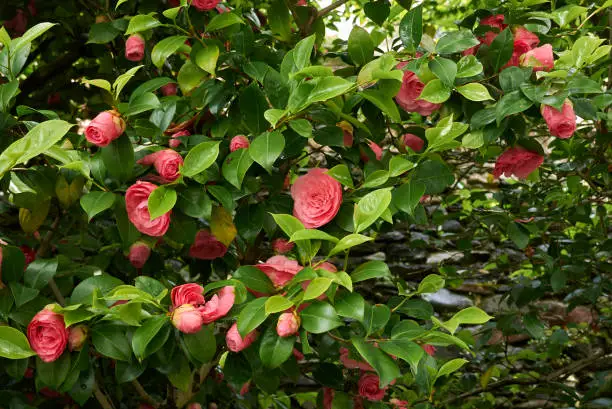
(193, 240)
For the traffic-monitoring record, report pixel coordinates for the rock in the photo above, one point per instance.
(452, 226)
(449, 300)
(415, 235)
(496, 304)
(391, 236)
(381, 256)
(474, 288)
(437, 258)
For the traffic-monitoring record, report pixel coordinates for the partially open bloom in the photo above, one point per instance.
(139, 254)
(167, 163)
(288, 324)
(204, 5)
(134, 47)
(540, 58)
(413, 142)
(219, 305)
(279, 269)
(136, 204)
(187, 319)
(317, 198)
(190, 293)
(105, 128)
(235, 342)
(77, 337)
(517, 161)
(369, 387)
(206, 246)
(48, 335)
(561, 124)
(175, 142)
(282, 246)
(524, 41)
(239, 142)
(410, 91)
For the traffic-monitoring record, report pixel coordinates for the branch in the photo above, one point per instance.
(143, 394)
(331, 7)
(42, 252)
(101, 397)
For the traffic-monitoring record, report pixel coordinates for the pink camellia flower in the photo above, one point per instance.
(429, 349)
(517, 161)
(169, 89)
(326, 265)
(245, 388)
(204, 5)
(301, 3)
(561, 124)
(317, 198)
(29, 253)
(194, 405)
(219, 305)
(105, 128)
(399, 404)
(77, 337)
(48, 334)
(282, 246)
(235, 342)
(136, 204)
(350, 363)
(410, 91)
(328, 398)
(413, 142)
(279, 269)
(375, 148)
(540, 58)
(288, 324)
(496, 21)
(524, 41)
(167, 163)
(174, 141)
(206, 246)
(369, 387)
(187, 319)
(18, 24)
(239, 142)
(135, 48)
(139, 254)
(190, 293)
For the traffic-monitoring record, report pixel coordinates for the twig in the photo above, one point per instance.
(331, 7)
(42, 251)
(143, 394)
(101, 397)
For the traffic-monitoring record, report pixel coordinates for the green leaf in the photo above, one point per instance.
(406, 197)
(13, 344)
(450, 367)
(32, 34)
(190, 76)
(143, 103)
(266, 148)
(384, 365)
(277, 303)
(123, 79)
(444, 69)
(200, 158)
(206, 58)
(501, 49)
(319, 317)
(436, 176)
(302, 127)
(511, 78)
(150, 86)
(435, 92)
(468, 66)
(161, 201)
(252, 316)
(375, 317)
(96, 202)
(382, 101)
(165, 48)
(398, 165)
(510, 104)
(349, 241)
(377, 11)
(53, 373)
(518, 234)
(145, 334)
(567, 14)
(142, 22)
(22, 294)
(411, 28)
(235, 166)
(39, 272)
(376, 178)
(111, 341)
(312, 234)
(181, 378)
(118, 158)
(456, 41)
(474, 92)
(288, 224)
(370, 208)
(201, 345)
(342, 174)
(350, 305)
(102, 33)
(223, 20)
(275, 350)
(328, 88)
(404, 349)
(317, 287)
(253, 104)
(473, 140)
(303, 51)
(369, 270)
(7, 92)
(38, 140)
(431, 284)
(254, 279)
(280, 20)
(360, 46)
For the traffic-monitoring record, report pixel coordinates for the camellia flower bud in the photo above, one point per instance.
(288, 324)
(235, 342)
(282, 246)
(77, 337)
(239, 142)
(134, 48)
(139, 254)
(169, 89)
(194, 405)
(105, 128)
(187, 319)
(174, 141)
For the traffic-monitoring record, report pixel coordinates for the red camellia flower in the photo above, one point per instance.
(328, 398)
(369, 387)
(235, 342)
(279, 269)
(174, 141)
(561, 124)
(517, 161)
(29, 253)
(204, 5)
(77, 337)
(282, 246)
(239, 142)
(524, 41)
(105, 128)
(413, 142)
(288, 324)
(541, 58)
(495, 21)
(317, 198)
(429, 349)
(136, 204)
(139, 254)
(187, 319)
(48, 334)
(169, 89)
(134, 48)
(219, 305)
(206, 246)
(167, 163)
(350, 363)
(190, 293)
(410, 91)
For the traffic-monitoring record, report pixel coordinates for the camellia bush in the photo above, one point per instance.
(184, 184)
